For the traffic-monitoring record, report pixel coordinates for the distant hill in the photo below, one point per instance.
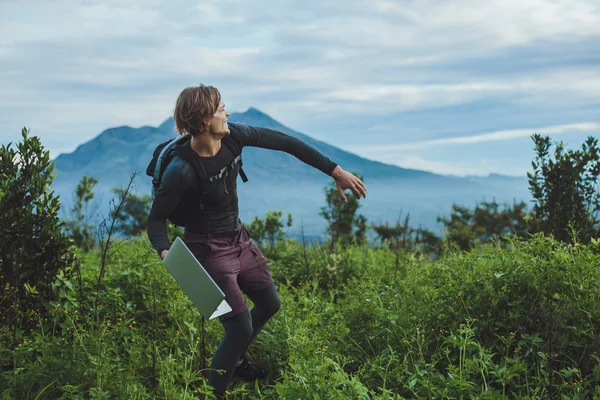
(278, 180)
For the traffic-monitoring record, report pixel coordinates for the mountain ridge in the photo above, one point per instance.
(278, 180)
(252, 114)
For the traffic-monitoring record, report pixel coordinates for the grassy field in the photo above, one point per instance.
(519, 320)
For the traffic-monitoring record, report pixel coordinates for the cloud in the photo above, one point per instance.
(467, 166)
(452, 29)
(503, 135)
(70, 69)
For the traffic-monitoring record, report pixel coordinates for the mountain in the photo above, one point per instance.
(278, 180)
(349, 161)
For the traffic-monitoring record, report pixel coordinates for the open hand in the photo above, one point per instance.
(346, 180)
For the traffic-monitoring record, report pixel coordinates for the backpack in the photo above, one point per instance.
(165, 152)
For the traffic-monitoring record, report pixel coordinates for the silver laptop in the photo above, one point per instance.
(195, 281)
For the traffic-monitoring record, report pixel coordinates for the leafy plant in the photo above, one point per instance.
(82, 232)
(565, 189)
(467, 228)
(33, 244)
(269, 229)
(132, 216)
(344, 225)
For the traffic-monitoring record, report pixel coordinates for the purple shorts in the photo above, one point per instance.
(235, 264)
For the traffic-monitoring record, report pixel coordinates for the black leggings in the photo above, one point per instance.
(240, 331)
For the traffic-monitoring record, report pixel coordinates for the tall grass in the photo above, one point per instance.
(520, 320)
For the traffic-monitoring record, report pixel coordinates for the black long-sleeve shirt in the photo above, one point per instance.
(213, 207)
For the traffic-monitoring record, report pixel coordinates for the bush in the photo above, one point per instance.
(33, 246)
(520, 321)
(565, 190)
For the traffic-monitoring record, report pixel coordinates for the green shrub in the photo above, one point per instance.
(33, 246)
(519, 320)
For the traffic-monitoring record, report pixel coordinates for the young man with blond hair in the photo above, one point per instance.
(213, 230)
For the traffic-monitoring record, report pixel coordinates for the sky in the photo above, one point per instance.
(455, 87)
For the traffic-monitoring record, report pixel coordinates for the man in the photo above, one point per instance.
(213, 231)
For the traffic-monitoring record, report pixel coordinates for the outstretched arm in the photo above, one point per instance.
(265, 138)
(247, 135)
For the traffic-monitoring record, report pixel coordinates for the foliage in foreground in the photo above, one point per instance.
(521, 321)
(516, 320)
(33, 245)
(564, 186)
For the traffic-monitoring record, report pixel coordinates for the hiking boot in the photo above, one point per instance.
(249, 372)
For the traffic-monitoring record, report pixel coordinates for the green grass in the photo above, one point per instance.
(519, 320)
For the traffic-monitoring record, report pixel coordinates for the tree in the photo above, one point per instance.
(360, 234)
(392, 235)
(459, 229)
(344, 226)
(490, 221)
(565, 189)
(33, 244)
(468, 227)
(428, 242)
(132, 217)
(270, 228)
(82, 232)
(404, 237)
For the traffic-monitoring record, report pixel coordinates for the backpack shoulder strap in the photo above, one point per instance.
(186, 153)
(237, 152)
(160, 155)
(152, 165)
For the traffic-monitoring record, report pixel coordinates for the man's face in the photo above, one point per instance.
(217, 126)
